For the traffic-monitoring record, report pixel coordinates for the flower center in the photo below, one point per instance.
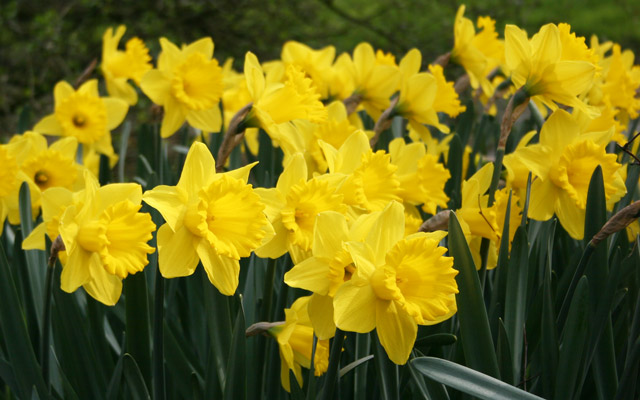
(79, 120)
(41, 178)
(197, 82)
(83, 116)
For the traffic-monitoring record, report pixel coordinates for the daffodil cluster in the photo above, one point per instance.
(357, 204)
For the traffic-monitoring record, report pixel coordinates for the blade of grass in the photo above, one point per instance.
(236, 379)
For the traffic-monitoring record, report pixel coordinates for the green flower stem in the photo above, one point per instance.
(334, 364)
(46, 316)
(158, 339)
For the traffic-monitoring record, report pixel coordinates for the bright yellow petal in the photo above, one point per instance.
(167, 200)
(354, 308)
(61, 91)
(103, 286)
(116, 111)
(49, 124)
(351, 151)
(223, 272)
(203, 46)
(311, 274)
(570, 215)
(76, 271)
(156, 85)
(177, 255)
(170, 57)
(517, 47)
(254, 75)
(330, 230)
(207, 120)
(174, 117)
(35, 240)
(277, 245)
(397, 331)
(293, 173)
(386, 231)
(198, 170)
(321, 313)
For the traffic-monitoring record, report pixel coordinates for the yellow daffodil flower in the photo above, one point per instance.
(11, 178)
(563, 162)
(188, 85)
(295, 342)
(366, 179)
(84, 115)
(478, 53)
(537, 65)
(292, 207)
(214, 218)
(373, 82)
(50, 166)
(422, 177)
(105, 238)
(398, 283)
(120, 66)
(316, 64)
(277, 103)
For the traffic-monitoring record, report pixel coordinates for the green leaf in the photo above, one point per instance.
(387, 371)
(437, 339)
(505, 359)
(454, 165)
(135, 381)
(116, 380)
(331, 376)
(296, 390)
(137, 323)
(363, 346)
(474, 324)
(236, 379)
(629, 377)
(574, 338)
(36, 259)
(354, 364)
(15, 336)
(125, 133)
(549, 336)
(418, 380)
(516, 299)
(469, 381)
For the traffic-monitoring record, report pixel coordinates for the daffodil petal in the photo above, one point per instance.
(49, 124)
(75, 273)
(103, 286)
(208, 120)
(156, 85)
(397, 331)
(116, 111)
(570, 215)
(223, 272)
(354, 308)
(174, 117)
(320, 310)
(198, 166)
(311, 274)
(177, 255)
(165, 199)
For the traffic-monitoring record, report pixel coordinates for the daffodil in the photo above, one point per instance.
(188, 85)
(373, 82)
(214, 218)
(105, 238)
(398, 284)
(85, 115)
(277, 103)
(537, 65)
(421, 177)
(563, 162)
(11, 178)
(292, 207)
(478, 53)
(49, 166)
(367, 180)
(118, 67)
(295, 343)
(315, 63)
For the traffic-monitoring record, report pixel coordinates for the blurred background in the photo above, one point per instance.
(44, 42)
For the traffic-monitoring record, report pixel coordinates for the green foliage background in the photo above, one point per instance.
(44, 42)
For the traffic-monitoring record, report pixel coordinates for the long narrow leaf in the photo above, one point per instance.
(469, 381)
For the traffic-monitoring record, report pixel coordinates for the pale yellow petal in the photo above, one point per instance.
(329, 232)
(103, 286)
(156, 85)
(35, 240)
(174, 117)
(570, 215)
(311, 274)
(277, 245)
(168, 201)
(294, 172)
(203, 46)
(76, 271)
(49, 124)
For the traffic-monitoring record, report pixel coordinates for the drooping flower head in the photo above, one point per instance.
(118, 67)
(542, 69)
(188, 84)
(295, 341)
